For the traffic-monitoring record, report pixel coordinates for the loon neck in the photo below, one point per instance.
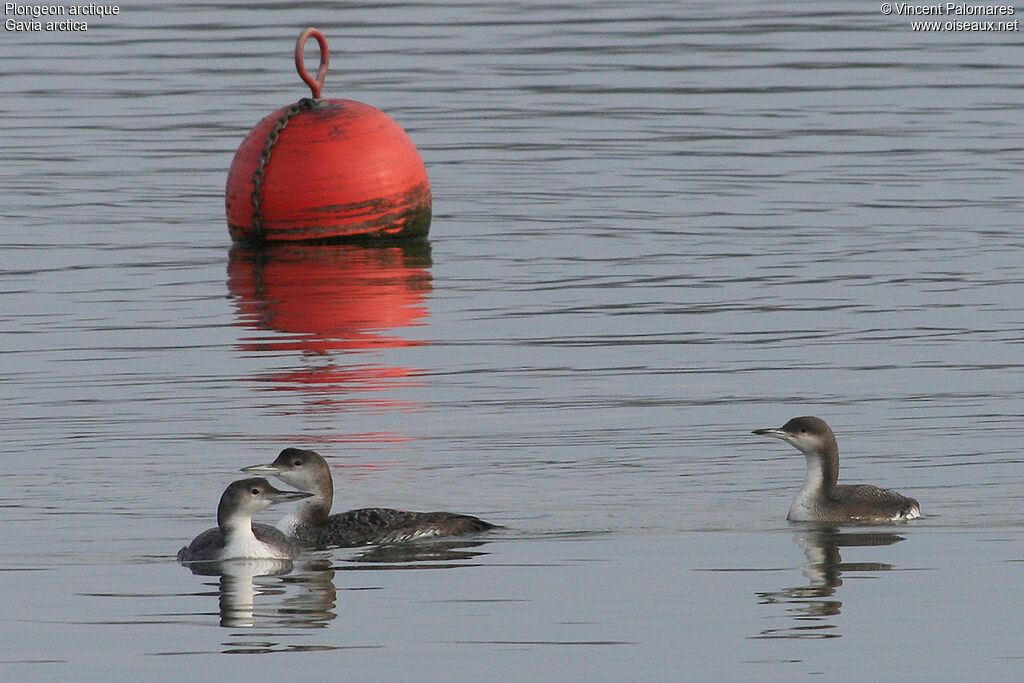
(234, 523)
(318, 507)
(822, 471)
(315, 509)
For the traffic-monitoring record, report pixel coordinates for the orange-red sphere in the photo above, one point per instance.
(339, 170)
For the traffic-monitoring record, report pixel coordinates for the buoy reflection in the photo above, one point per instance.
(329, 302)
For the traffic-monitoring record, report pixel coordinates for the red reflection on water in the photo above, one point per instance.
(330, 297)
(327, 300)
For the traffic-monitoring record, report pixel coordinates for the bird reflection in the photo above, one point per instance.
(813, 606)
(420, 555)
(290, 594)
(311, 606)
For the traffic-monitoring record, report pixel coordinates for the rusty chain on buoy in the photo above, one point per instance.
(259, 175)
(315, 85)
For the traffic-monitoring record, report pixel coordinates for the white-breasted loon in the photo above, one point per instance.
(235, 536)
(821, 499)
(312, 522)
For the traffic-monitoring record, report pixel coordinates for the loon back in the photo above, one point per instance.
(375, 526)
(856, 504)
(868, 503)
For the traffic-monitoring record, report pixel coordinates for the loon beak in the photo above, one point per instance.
(774, 433)
(262, 469)
(286, 496)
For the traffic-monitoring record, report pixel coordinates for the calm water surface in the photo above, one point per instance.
(657, 226)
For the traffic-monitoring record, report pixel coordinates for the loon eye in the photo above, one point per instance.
(297, 463)
(803, 430)
(255, 491)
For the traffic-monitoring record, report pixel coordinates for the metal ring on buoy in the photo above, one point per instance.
(315, 84)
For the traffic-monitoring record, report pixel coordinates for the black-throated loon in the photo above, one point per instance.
(312, 522)
(235, 535)
(821, 499)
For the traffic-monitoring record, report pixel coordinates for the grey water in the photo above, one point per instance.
(657, 226)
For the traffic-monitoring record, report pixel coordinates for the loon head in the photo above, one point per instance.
(809, 435)
(244, 498)
(305, 470)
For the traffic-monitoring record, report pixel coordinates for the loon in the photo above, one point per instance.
(235, 536)
(821, 499)
(312, 523)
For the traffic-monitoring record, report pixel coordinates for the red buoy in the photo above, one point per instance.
(326, 170)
